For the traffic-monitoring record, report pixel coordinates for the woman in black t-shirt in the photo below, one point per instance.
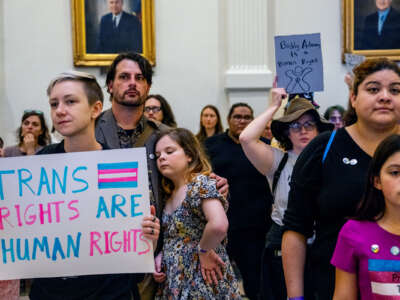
(326, 190)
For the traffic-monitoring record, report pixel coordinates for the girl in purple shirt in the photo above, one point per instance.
(367, 254)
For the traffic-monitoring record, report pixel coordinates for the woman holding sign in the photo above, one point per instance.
(76, 100)
(330, 175)
(193, 263)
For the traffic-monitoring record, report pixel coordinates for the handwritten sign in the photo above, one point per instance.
(353, 60)
(299, 63)
(74, 214)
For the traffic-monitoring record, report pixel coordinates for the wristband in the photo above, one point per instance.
(297, 298)
(201, 250)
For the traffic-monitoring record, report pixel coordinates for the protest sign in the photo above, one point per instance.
(299, 63)
(352, 60)
(74, 214)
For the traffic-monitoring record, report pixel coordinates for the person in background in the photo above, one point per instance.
(124, 125)
(33, 135)
(328, 181)
(157, 108)
(267, 133)
(76, 100)
(250, 198)
(334, 114)
(299, 125)
(1, 147)
(210, 123)
(194, 259)
(368, 245)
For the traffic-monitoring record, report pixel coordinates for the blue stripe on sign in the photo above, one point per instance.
(121, 165)
(381, 265)
(114, 185)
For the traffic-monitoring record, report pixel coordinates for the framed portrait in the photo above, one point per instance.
(371, 28)
(104, 28)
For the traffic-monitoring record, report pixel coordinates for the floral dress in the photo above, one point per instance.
(182, 231)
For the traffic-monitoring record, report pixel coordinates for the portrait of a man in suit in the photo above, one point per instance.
(380, 29)
(119, 31)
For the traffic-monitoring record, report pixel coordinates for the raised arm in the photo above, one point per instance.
(259, 153)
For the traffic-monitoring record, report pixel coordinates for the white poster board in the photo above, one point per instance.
(74, 214)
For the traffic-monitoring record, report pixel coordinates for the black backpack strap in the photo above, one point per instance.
(278, 172)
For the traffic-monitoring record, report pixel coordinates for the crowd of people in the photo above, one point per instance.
(301, 206)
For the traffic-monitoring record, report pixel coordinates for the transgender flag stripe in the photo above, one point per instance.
(385, 278)
(390, 290)
(117, 175)
(381, 265)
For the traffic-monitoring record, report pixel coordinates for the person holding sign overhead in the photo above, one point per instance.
(76, 100)
(299, 125)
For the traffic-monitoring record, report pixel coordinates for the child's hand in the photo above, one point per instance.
(211, 266)
(158, 275)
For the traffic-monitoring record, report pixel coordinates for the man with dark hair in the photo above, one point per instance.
(381, 28)
(125, 126)
(250, 198)
(119, 31)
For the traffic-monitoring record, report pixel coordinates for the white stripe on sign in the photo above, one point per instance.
(387, 289)
(117, 175)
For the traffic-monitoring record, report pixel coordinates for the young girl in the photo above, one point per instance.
(367, 252)
(194, 259)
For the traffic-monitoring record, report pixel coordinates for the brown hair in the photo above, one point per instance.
(199, 163)
(361, 72)
(201, 135)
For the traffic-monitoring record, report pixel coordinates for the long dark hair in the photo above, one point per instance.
(190, 145)
(44, 138)
(202, 135)
(168, 115)
(362, 71)
(372, 205)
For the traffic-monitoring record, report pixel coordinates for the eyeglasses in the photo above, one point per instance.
(237, 118)
(154, 109)
(335, 119)
(308, 126)
(33, 111)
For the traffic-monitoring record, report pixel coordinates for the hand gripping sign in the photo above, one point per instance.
(74, 214)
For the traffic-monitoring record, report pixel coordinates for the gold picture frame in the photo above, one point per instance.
(355, 15)
(86, 14)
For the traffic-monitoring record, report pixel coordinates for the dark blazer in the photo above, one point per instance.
(390, 35)
(126, 37)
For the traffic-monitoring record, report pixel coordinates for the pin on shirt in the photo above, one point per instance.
(375, 248)
(348, 161)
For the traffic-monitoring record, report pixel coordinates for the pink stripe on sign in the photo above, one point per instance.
(119, 179)
(385, 277)
(116, 171)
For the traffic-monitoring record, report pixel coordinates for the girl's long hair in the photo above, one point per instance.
(191, 146)
(372, 205)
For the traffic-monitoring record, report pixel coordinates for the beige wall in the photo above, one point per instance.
(191, 46)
